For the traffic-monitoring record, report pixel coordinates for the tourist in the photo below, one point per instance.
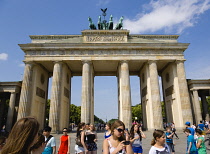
(64, 147)
(91, 139)
(39, 146)
(50, 141)
(169, 139)
(191, 149)
(80, 147)
(173, 129)
(158, 143)
(201, 126)
(193, 126)
(136, 136)
(22, 136)
(206, 124)
(87, 126)
(2, 142)
(200, 142)
(116, 143)
(192, 131)
(108, 130)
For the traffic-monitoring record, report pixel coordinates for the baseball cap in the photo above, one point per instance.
(187, 123)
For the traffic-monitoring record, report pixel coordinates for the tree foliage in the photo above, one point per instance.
(75, 114)
(111, 121)
(136, 113)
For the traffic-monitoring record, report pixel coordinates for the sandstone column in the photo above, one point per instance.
(24, 104)
(184, 95)
(10, 111)
(197, 108)
(55, 97)
(205, 107)
(86, 92)
(125, 94)
(92, 96)
(155, 95)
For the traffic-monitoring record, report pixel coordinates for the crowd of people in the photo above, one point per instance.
(26, 138)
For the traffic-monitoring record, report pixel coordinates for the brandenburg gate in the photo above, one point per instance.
(105, 53)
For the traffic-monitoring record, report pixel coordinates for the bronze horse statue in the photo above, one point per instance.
(120, 24)
(91, 24)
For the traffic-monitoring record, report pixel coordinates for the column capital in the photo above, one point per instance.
(58, 61)
(14, 92)
(123, 61)
(86, 61)
(180, 61)
(31, 63)
(152, 61)
(194, 90)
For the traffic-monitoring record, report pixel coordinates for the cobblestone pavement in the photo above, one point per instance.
(180, 144)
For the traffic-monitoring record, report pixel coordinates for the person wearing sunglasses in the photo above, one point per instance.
(64, 147)
(116, 143)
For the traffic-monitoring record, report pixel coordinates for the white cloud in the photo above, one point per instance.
(167, 15)
(3, 56)
(103, 2)
(21, 65)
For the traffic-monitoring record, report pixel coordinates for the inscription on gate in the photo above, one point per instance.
(104, 38)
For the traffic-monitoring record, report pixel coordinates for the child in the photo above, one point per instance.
(158, 143)
(190, 142)
(200, 142)
(169, 139)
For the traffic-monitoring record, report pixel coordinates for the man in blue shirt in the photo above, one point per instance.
(192, 131)
(201, 126)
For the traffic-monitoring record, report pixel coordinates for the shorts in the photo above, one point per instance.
(92, 146)
(79, 149)
(171, 146)
(137, 149)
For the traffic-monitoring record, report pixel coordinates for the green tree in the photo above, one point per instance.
(98, 120)
(111, 121)
(75, 114)
(136, 112)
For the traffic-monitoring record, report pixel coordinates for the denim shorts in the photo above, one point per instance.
(137, 149)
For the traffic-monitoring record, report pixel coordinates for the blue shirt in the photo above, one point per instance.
(190, 138)
(201, 126)
(192, 131)
(168, 140)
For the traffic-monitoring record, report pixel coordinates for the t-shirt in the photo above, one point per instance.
(155, 150)
(192, 131)
(168, 140)
(202, 149)
(137, 142)
(48, 148)
(201, 126)
(190, 138)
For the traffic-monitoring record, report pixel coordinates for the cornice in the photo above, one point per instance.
(168, 37)
(104, 46)
(52, 37)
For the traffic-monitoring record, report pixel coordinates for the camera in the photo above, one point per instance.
(126, 142)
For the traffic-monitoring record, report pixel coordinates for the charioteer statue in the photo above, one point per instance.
(103, 25)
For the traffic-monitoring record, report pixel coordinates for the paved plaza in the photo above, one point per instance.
(180, 144)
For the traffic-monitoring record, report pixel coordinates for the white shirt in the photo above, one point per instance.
(165, 150)
(51, 142)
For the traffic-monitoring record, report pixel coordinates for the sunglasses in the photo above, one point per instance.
(64, 131)
(120, 130)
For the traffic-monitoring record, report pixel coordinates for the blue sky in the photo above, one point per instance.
(187, 18)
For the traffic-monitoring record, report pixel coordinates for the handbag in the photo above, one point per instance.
(78, 141)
